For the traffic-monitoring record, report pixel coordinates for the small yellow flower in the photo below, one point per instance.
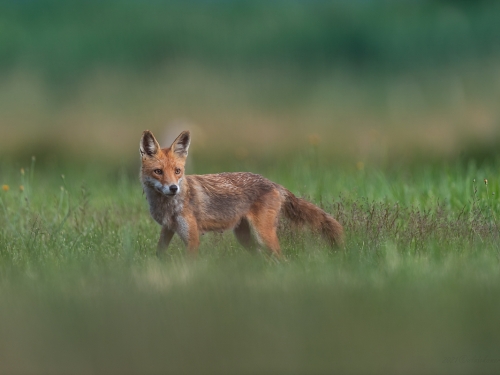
(485, 181)
(22, 171)
(5, 187)
(21, 188)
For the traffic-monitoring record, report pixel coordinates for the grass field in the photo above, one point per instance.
(384, 113)
(414, 291)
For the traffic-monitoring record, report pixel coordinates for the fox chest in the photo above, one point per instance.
(165, 212)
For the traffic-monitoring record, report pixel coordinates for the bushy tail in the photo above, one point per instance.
(300, 212)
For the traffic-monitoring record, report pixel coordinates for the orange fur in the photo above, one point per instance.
(190, 205)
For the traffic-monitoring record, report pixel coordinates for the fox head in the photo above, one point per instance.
(163, 169)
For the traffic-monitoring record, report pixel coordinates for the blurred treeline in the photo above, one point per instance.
(292, 64)
(63, 39)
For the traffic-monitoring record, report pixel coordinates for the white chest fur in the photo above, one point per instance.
(165, 210)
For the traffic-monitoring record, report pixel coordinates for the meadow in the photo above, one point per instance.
(415, 289)
(383, 113)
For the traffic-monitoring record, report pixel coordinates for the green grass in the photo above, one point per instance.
(384, 114)
(415, 290)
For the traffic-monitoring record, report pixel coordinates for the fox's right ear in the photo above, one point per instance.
(181, 144)
(149, 145)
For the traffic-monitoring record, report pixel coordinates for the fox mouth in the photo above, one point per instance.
(169, 194)
(165, 191)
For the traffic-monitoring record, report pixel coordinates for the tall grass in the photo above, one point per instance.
(414, 290)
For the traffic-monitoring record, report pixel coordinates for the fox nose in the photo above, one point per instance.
(173, 189)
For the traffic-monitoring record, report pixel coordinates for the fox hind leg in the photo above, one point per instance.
(244, 235)
(264, 219)
(269, 238)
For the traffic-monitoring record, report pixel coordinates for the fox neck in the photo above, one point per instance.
(164, 208)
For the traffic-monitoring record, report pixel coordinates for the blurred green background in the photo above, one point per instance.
(373, 81)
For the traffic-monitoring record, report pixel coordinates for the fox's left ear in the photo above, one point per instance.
(149, 145)
(180, 146)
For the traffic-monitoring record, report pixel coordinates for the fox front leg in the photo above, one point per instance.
(187, 229)
(192, 241)
(165, 237)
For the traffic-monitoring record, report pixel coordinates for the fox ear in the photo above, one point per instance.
(180, 146)
(149, 145)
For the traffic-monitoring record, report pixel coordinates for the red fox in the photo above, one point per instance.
(190, 205)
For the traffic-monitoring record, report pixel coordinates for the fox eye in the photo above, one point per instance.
(158, 172)
(177, 171)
